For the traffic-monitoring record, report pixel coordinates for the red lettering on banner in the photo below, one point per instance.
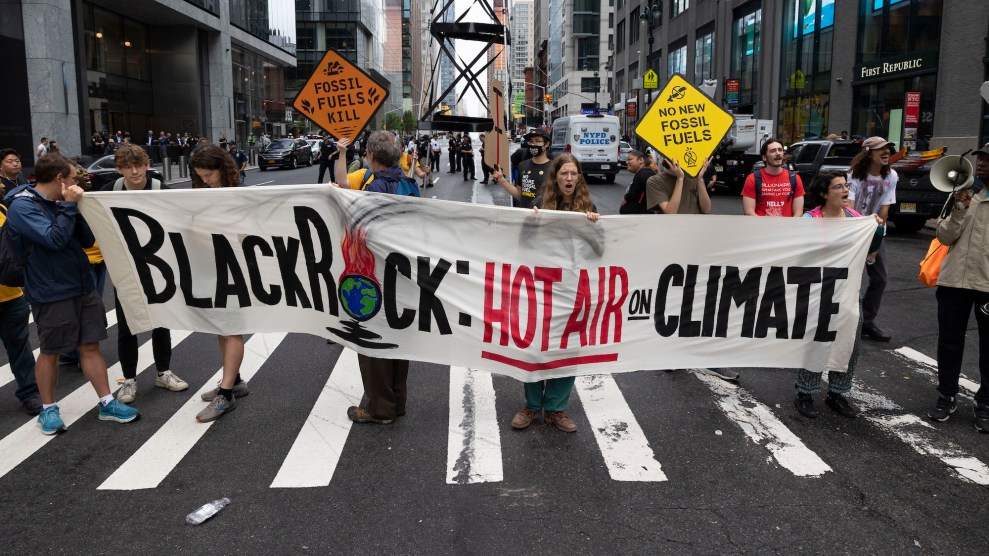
(598, 306)
(523, 277)
(547, 276)
(615, 303)
(577, 323)
(491, 314)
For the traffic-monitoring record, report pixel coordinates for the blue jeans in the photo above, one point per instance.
(14, 334)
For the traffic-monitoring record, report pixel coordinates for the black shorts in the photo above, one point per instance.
(63, 325)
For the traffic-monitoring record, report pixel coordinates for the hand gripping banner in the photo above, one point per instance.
(528, 294)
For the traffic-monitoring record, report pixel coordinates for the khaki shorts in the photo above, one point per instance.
(63, 325)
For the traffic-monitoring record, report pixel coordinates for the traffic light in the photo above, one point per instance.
(548, 98)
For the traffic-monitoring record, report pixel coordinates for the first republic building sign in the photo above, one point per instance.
(902, 66)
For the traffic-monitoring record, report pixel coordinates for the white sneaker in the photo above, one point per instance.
(128, 390)
(168, 380)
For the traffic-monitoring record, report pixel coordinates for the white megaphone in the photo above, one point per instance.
(952, 173)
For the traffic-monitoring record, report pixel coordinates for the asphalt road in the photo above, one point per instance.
(663, 462)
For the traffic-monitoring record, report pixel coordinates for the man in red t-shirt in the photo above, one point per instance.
(778, 197)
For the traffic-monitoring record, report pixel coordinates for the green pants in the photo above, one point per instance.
(551, 395)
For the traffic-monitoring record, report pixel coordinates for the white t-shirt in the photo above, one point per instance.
(42, 150)
(875, 192)
(434, 145)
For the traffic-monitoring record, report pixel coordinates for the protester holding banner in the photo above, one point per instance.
(872, 190)
(962, 284)
(212, 166)
(132, 163)
(828, 196)
(667, 194)
(532, 172)
(384, 379)
(773, 190)
(48, 234)
(565, 189)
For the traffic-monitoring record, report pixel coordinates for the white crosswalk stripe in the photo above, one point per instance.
(318, 447)
(6, 375)
(473, 439)
(26, 440)
(156, 458)
(625, 447)
(764, 428)
(928, 368)
(917, 433)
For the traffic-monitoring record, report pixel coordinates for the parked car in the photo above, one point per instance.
(102, 171)
(916, 199)
(623, 150)
(285, 153)
(314, 145)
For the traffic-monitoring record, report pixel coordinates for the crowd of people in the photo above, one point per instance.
(64, 273)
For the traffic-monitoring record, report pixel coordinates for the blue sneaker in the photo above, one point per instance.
(118, 411)
(50, 421)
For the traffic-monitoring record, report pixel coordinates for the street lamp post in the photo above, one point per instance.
(651, 18)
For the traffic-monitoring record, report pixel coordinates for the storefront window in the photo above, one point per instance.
(808, 38)
(704, 56)
(677, 62)
(874, 105)
(118, 72)
(891, 28)
(257, 100)
(745, 49)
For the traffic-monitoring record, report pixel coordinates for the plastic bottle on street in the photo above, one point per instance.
(206, 511)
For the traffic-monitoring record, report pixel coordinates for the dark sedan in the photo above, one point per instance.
(285, 153)
(102, 171)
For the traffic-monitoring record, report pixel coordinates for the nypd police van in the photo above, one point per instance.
(593, 139)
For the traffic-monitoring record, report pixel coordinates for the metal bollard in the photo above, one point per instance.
(166, 169)
(183, 166)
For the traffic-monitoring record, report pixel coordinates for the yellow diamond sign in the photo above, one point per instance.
(684, 124)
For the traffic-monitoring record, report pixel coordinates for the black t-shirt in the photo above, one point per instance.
(326, 149)
(239, 157)
(635, 196)
(530, 182)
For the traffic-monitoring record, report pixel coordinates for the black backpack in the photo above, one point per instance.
(11, 265)
(758, 184)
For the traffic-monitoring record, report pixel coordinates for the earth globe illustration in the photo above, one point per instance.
(360, 296)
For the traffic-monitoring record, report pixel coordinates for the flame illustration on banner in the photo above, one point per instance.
(359, 291)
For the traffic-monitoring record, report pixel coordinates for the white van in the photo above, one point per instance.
(593, 139)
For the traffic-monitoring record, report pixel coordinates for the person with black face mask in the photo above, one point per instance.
(531, 172)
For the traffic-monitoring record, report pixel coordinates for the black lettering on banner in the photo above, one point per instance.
(287, 257)
(689, 328)
(229, 276)
(741, 292)
(772, 306)
(672, 275)
(711, 300)
(428, 304)
(828, 306)
(304, 216)
(144, 255)
(396, 263)
(251, 245)
(185, 273)
(803, 277)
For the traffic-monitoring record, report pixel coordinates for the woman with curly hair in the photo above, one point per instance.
(564, 189)
(214, 167)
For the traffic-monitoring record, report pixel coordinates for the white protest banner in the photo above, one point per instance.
(532, 295)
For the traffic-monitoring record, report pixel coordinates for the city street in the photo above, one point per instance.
(662, 462)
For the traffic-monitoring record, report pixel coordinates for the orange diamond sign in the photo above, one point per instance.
(340, 97)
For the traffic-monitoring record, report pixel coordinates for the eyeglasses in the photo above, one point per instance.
(838, 186)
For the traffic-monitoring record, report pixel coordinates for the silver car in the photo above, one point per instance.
(623, 150)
